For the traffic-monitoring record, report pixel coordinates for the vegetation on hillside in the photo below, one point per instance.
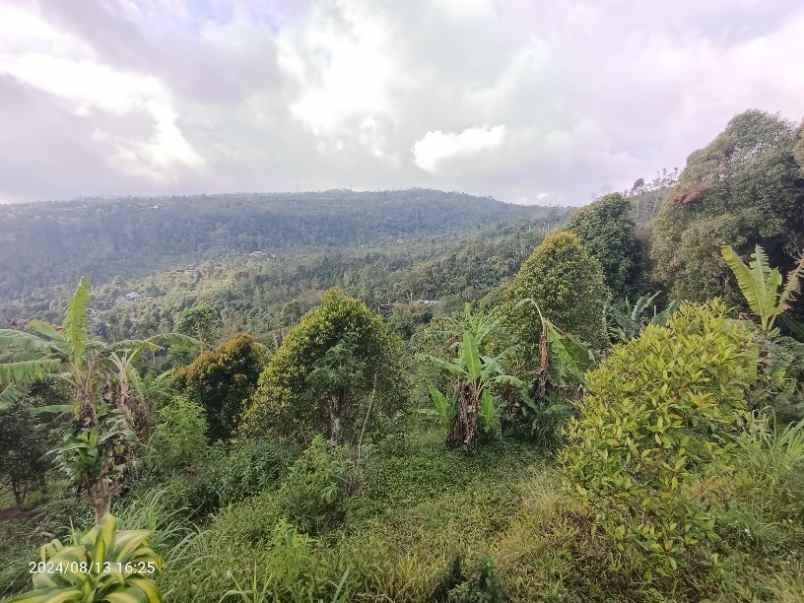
(534, 414)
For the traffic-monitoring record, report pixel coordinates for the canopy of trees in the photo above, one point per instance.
(745, 188)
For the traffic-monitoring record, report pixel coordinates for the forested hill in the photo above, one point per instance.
(45, 244)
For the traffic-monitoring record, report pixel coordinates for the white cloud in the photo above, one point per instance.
(436, 146)
(33, 52)
(340, 63)
(128, 96)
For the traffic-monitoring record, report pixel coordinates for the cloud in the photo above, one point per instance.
(34, 53)
(436, 147)
(117, 97)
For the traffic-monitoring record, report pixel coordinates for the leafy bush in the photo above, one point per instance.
(179, 437)
(221, 381)
(566, 283)
(227, 474)
(314, 493)
(657, 410)
(336, 368)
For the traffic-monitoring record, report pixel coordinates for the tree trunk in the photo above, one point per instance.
(334, 421)
(463, 429)
(101, 499)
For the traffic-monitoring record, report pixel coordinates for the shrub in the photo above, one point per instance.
(567, 285)
(225, 475)
(179, 438)
(335, 370)
(221, 380)
(314, 493)
(658, 409)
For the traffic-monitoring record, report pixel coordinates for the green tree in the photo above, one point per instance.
(202, 322)
(23, 449)
(744, 188)
(608, 233)
(303, 391)
(99, 376)
(567, 284)
(221, 381)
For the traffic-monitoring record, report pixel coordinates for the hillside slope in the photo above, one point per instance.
(54, 243)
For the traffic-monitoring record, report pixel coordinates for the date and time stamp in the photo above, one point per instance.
(90, 567)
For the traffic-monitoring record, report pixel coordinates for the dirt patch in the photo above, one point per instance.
(15, 514)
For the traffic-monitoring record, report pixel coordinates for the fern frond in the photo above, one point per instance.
(76, 320)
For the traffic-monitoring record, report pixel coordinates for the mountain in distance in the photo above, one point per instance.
(54, 243)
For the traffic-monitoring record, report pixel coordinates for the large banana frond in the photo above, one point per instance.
(76, 321)
(27, 371)
(755, 282)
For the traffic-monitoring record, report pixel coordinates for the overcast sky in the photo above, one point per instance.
(531, 102)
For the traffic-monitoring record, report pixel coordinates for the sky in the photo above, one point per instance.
(530, 102)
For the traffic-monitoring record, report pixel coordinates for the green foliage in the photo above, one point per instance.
(607, 232)
(102, 565)
(314, 493)
(227, 474)
(179, 438)
(202, 321)
(627, 320)
(76, 321)
(657, 409)
(567, 284)
(222, 380)
(762, 286)
(301, 391)
(23, 446)
(472, 376)
(485, 587)
(744, 188)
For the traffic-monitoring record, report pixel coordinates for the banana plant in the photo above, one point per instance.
(104, 564)
(473, 375)
(99, 375)
(767, 294)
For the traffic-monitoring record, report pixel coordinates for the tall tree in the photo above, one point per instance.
(221, 381)
(607, 232)
(567, 284)
(335, 370)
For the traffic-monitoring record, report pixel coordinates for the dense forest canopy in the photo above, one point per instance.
(45, 244)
